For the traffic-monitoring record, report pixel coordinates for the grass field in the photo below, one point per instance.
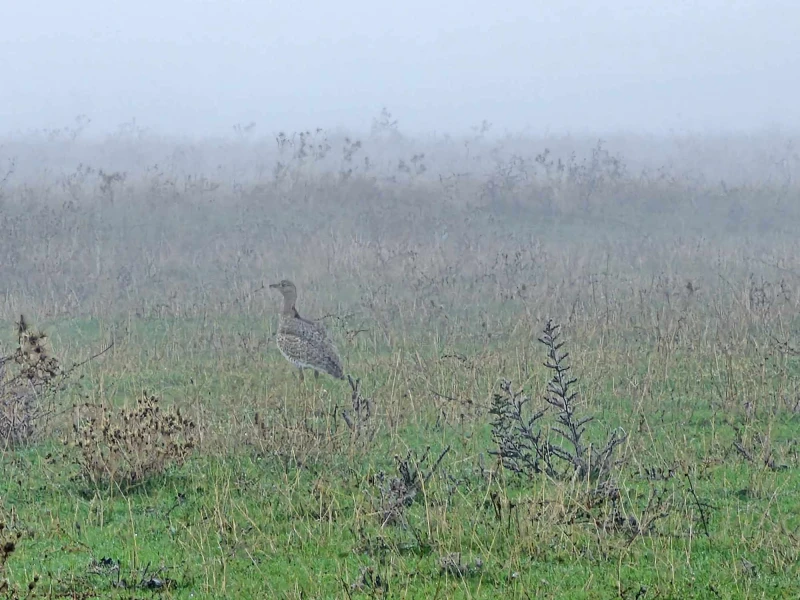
(678, 297)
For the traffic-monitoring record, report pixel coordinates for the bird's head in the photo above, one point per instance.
(286, 288)
(283, 286)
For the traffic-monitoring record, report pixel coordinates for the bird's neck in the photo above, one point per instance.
(288, 307)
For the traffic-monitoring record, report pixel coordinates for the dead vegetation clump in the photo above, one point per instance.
(126, 446)
(8, 545)
(756, 448)
(29, 380)
(453, 565)
(397, 494)
(145, 579)
(360, 419)
(605, 510)
(370, 582)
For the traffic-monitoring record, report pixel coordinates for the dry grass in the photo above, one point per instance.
(678, 295)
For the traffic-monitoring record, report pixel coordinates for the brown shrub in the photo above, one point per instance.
(29, 379)
(125, 446)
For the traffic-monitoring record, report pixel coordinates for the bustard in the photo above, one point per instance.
(304, 343)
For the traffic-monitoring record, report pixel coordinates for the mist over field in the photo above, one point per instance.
(103, 226)
(555, 246)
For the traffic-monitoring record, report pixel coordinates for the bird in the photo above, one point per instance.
(304, 343)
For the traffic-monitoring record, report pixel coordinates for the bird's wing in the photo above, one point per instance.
(316, 326)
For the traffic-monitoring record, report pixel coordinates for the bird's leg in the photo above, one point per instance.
(300, 369)
(316, 381)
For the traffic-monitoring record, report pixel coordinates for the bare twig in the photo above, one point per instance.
(701, 506)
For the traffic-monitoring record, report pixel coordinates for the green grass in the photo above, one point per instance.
(679, 302)
(238, 520)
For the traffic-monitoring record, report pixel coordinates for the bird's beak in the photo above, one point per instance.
(275, 285)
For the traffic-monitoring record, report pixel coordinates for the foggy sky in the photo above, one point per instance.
(199, 67)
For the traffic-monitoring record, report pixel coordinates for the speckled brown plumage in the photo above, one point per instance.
(304, 343)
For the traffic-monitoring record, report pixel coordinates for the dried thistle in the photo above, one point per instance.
(126, 446)
(29, 380)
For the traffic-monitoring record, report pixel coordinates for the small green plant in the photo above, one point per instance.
(525, 448)
(127, 446)
(521, 443)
